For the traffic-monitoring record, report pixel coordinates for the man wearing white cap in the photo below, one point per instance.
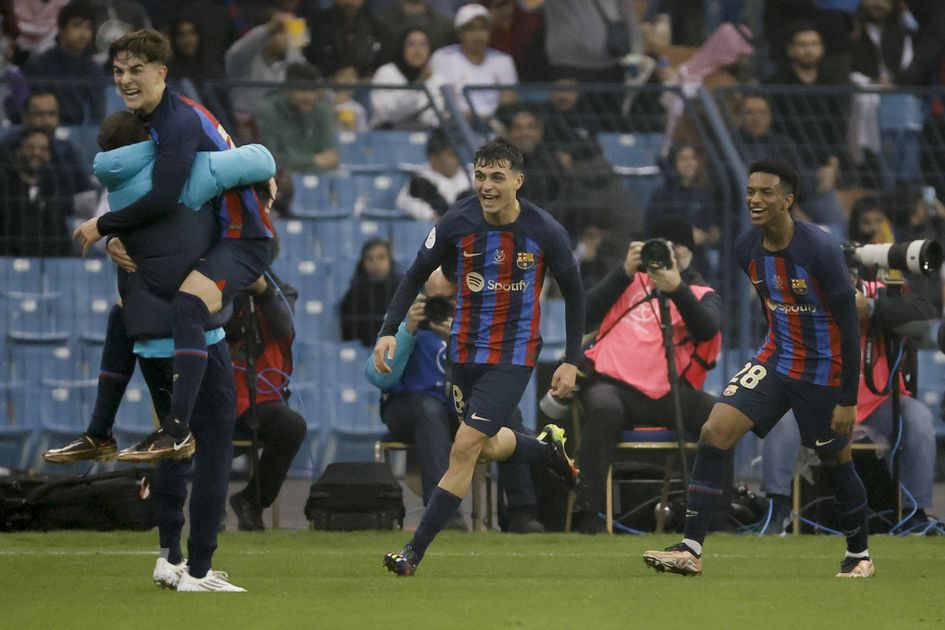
(472, 62)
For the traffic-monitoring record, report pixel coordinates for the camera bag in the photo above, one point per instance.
(356, 496)
(111, 501)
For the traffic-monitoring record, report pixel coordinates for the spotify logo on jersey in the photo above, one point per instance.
(475, 281)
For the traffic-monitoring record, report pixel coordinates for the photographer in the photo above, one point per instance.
(628, 383)
(881, 315)
(416, 407)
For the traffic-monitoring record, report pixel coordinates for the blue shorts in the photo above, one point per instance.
(233, 264)
(486, 396)
(764, 395)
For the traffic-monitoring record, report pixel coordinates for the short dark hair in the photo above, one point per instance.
(802, 26)
(438, 142)
(500, 150)
(147, 44)
(121, 129)
(78, 10)
(302, 71)
(40, 90)
(782, 169)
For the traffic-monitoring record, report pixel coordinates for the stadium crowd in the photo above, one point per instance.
(598, 97)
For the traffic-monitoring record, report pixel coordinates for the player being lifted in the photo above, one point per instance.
(809, 362)
(499, 247)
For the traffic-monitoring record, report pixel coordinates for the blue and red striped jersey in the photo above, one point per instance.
(181, 127)
(500, 271)
(800, 288)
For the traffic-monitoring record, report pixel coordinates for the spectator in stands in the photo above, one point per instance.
(628, 379)
(435, 187)
(525, 129)
(298, 126)
(79, 81)
(928, 44)
(916, 215)
(408, 108)
(365, 303)
(577, 36)
(350, 115)
(684, 195)
(280, 429)
(416, 407)
(472, 62)
(188, 58)
(42, 113)
(410, 15)
(520, 33)
(759, 142)
(220, 24)
(815, 120)
(590, 258)
(344, 35)
(888, 126)
(263, 54)
(830, 18)
(869, 224)
(880, 313)
(35, 204)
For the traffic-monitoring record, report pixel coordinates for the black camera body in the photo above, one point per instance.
(657, 253)
(436, 310)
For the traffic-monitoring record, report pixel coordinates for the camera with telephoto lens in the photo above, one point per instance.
(656, 253)
(921, 257)
(436, 310)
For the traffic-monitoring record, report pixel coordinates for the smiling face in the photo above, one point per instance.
(140, 82)
(496, 185)
(768, 202)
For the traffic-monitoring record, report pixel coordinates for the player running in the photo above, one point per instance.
(500, 247)
(809, 362)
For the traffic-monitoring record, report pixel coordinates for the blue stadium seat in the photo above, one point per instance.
(342, 238)
(296, 239)
(377, 190)
(21, 275)
(136, 418)
(18, 426)
(931, 379)
(315, 314)
(407, 237)
(356, 424)
(716, 379)
(85, 140)
(38, 317)
(399, 149)
(305, 399)
(317, 195)
(44, 363)
(635, 157)
(529, 405)
(355, 152)
(553, 330)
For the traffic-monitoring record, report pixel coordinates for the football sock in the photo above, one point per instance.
(705, 491)
(172, 554)
(118, 363)
(439, 510)
(850, 503)
(529, 450)
(190, 360)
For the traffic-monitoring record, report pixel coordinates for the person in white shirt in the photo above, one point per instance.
(407, 108)
(472, 62)
(436, 186)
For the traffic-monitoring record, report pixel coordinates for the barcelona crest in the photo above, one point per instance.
(799, 285)
(525, 260)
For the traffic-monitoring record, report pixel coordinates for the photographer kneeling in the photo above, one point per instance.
(416, 405)
(628, 383)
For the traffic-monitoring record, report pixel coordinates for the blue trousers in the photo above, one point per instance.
(430, 424)
(212, 425)
(782, 444)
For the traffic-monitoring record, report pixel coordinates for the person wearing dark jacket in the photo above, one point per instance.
(364, 304)
(280, 429)
(628, 381)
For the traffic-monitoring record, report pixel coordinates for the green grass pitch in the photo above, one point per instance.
(482, 581)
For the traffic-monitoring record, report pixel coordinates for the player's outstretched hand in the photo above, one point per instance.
(87, 234)
(119, 255)
(562, 382)
(843, 419)
(384, 352)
